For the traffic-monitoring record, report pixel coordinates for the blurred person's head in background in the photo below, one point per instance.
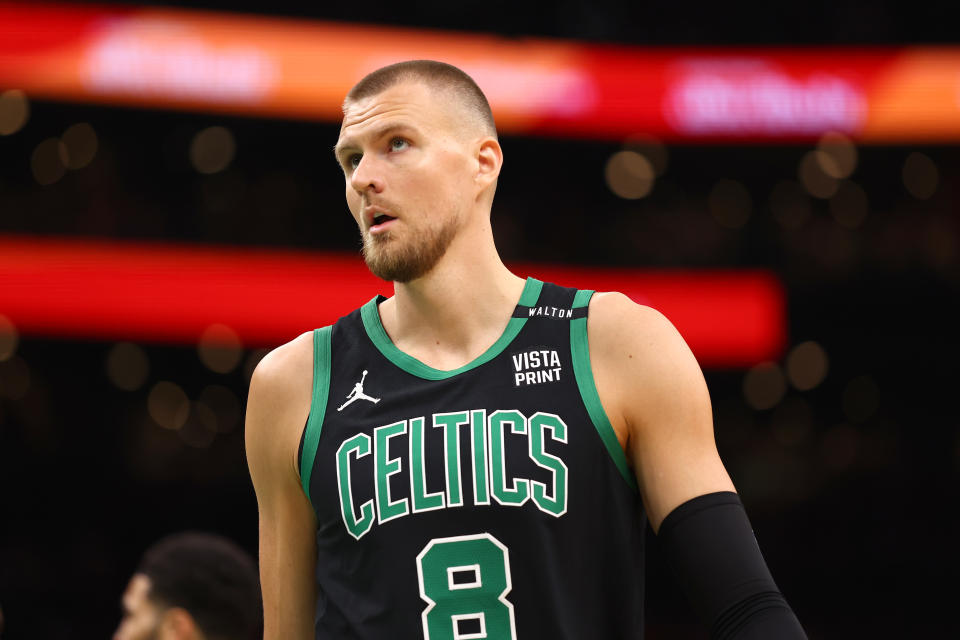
(194, 586)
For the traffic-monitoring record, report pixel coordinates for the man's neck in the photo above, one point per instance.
(454, 313)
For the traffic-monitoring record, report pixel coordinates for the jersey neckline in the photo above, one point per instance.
(370, 315)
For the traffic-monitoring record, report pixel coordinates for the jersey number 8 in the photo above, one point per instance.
(465, 580)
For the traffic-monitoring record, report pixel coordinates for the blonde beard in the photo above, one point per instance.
(393, 260)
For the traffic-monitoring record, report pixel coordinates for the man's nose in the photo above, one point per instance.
(365, 176)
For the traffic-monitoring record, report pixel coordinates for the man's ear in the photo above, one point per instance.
(178, 624)
(489, 161)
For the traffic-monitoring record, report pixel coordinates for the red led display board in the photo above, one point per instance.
(173, 293)
(219, 62)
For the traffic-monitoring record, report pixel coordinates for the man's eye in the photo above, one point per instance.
(398, 144)
(353, 160)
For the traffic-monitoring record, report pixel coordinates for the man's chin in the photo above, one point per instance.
(394, 260)
(403, 268)
(392, 271)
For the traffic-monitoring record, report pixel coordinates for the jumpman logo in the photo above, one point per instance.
(358, 394)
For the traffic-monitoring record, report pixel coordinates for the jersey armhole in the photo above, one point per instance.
(318, 404)
(580, 350)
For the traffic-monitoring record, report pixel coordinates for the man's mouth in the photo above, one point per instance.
(380, 223)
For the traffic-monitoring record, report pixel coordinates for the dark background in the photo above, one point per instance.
(852, 487)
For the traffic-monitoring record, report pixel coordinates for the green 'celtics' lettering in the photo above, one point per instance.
(451, 437)
(518, 493)
(465, 580)
(494, 438)
(422, 501)
(385, 467)
(478, 440)
(556, 503)
(359, 445)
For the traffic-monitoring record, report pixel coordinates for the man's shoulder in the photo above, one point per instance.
(628, 335)
(642, 366)
(285, 367)
(614, 312)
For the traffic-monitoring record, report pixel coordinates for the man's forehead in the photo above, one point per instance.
(414, 100)
(409, 94)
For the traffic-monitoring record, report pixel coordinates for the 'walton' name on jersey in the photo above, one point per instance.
(489, 466)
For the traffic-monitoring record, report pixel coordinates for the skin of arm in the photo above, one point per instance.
(277, 409)
(655, 396)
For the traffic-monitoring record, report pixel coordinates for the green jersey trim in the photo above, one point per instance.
(318, 403)
(380, 339)
(580, 349)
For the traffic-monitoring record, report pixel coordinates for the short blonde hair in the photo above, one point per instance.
(435, 74)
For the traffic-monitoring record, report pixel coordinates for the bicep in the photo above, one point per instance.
(673, 449)
(653, 385)
(286, 519)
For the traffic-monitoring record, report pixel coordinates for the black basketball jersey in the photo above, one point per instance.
(491, 501)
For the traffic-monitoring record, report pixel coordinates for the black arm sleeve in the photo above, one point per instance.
(711, 548)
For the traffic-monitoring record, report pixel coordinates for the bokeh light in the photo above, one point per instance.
(9, 338)
(168, 405)
(651, 149)
(14, 111)
(212, 150)
(81, 144)
(219, 348)
(836, 155)
(764, 386)
(49, 161)
(920, 175)
(127, 366)
(807, 365)
(630, 175)
(813, 178)
(730, 203)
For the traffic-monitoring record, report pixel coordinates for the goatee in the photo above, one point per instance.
(396, 260)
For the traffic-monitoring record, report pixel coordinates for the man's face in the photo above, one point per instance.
(141, 617)
(406, 157)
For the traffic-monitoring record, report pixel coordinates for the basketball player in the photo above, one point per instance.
(192, 586)
(477, 455)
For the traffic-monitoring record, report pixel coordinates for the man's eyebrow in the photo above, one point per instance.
(385, 130)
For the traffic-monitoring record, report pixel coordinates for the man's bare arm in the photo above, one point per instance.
(654, 393)
(277, 409)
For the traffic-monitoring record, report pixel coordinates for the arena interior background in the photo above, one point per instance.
(839, 430)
